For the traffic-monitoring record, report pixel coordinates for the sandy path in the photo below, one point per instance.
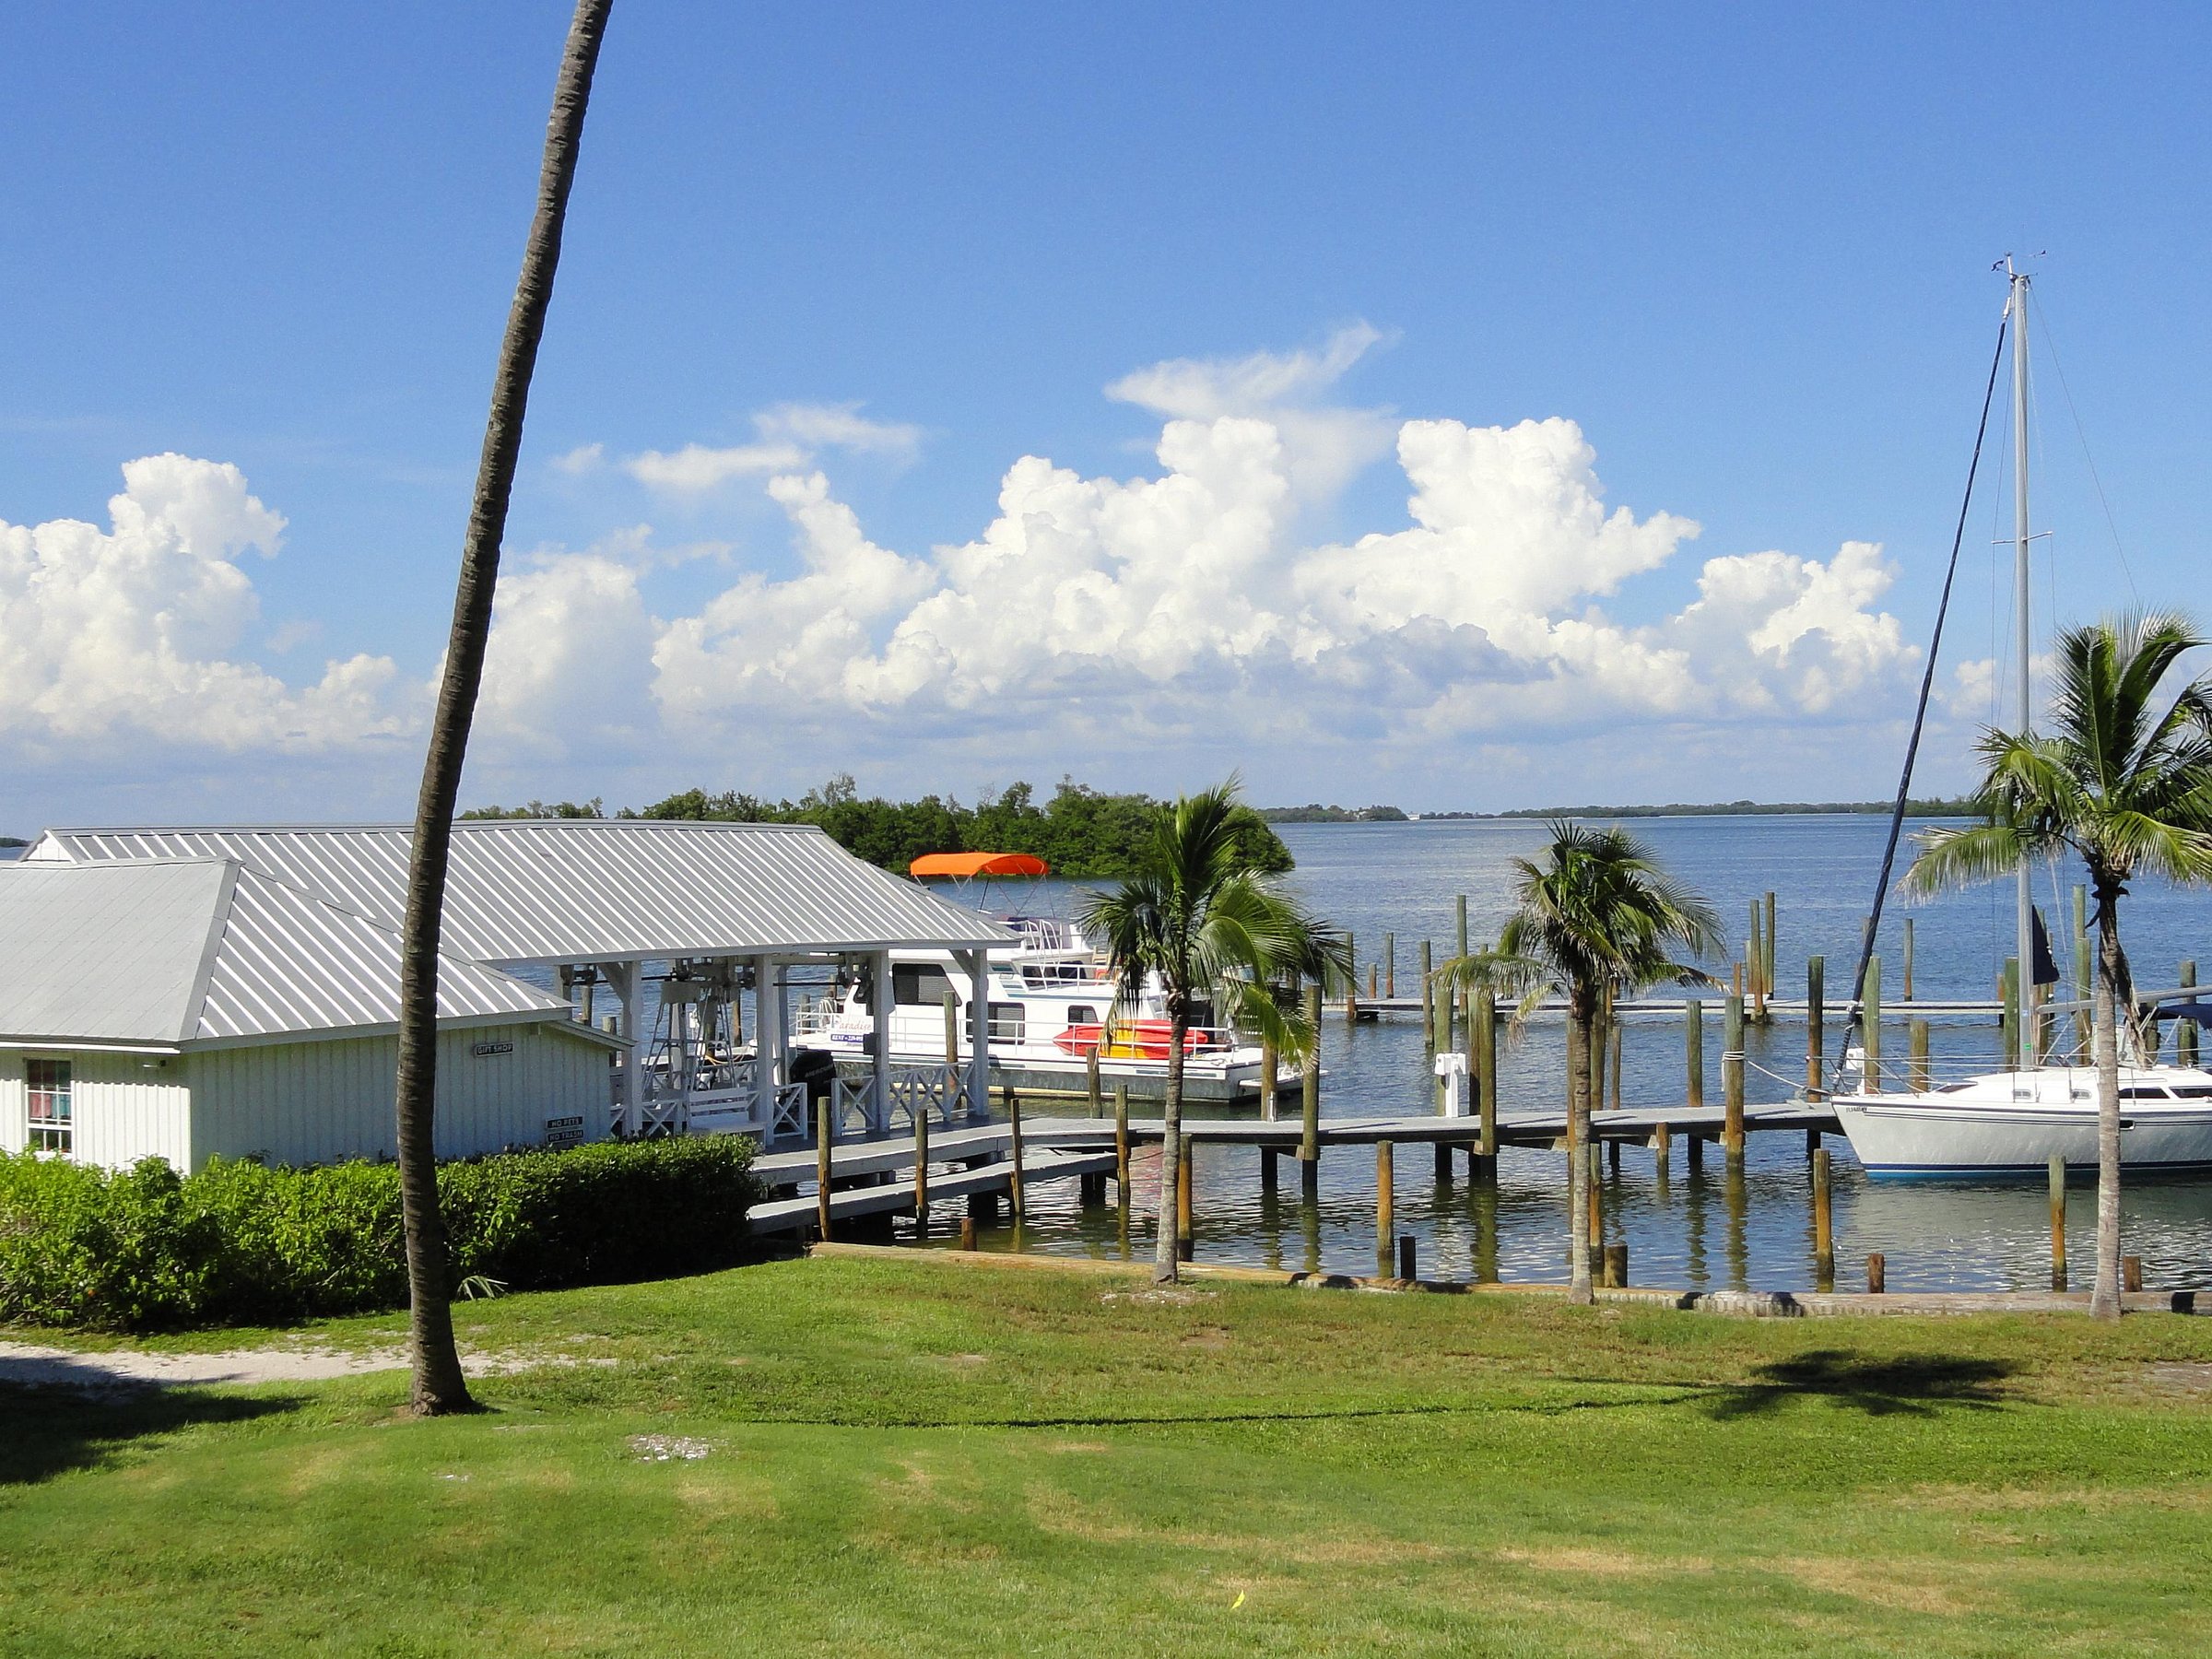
(122, 1369)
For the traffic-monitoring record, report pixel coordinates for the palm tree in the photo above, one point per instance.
(437, 1387)
(1593, 916)
(2125, 785)
(1197, 920)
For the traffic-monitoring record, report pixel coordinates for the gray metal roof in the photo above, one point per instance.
(198, 950)
(585, 890)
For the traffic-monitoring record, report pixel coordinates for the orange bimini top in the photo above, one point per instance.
(977, 863)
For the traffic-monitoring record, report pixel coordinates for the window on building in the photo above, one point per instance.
(50, 1120)
(1082, 1013)
(1009, 1022)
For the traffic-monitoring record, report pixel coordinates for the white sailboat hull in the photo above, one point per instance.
(2015, 1122)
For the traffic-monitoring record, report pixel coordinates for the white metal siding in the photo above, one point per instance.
(126, 1107)
(15, 1104)
(317, 1102)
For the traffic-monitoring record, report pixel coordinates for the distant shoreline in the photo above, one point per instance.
(1371, 814)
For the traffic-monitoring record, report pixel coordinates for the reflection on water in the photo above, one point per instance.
(1695, 1230)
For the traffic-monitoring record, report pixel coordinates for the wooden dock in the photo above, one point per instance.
(1777, 1008)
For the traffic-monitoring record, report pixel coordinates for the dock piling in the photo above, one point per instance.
(1878, 1274)
(1309, 1081)
(1732, 1079)
(2058, 1222)
(967, 1232)
(1816, 1024)
(1021, 1209)
(2184, 1031)
(1916, 1037)
(1460, 923)
(1185, 1237)
(1662, 1149)
(2014, 1029)
(1616, 1272)
(1824, 1238)
(1390, 965)
(1908, 989)
(1351, 981)
(2131, 1273)
(1267, 1170)
(1485, 1066)
(1091, 1082)
(824, 1138)
(1120, 1147)
(1268, 1061)
(921, 1166)
(1406, 1263)
(1427, 1004)
(1693, 1031)
(1385, 1198)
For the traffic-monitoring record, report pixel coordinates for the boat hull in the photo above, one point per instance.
(1909, 1135)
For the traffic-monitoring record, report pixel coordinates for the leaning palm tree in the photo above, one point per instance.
(1594, 915)
(437, 1387)
(1198, 922)
(2127, 786)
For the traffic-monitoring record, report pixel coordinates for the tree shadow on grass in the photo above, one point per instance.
(1907, 1384)
(79, 1423)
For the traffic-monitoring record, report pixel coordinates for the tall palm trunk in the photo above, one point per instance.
(437, 1386)
(1168, 1249)
(2111, 974)
(1581, 1022)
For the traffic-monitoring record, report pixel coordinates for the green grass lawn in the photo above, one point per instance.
(926, 1457)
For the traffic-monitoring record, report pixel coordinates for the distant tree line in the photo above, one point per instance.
(1081, 832)
(1915, 807)
(1315, 813)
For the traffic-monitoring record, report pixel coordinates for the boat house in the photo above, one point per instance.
(197, 992)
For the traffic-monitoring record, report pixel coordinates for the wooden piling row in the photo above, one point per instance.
(1815, 1031)
(1824, 1238)
(2058, 1222)
(1732, 1079)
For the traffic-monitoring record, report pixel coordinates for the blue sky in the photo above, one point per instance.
(867, 259)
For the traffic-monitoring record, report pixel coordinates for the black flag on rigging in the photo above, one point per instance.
(2046, 970)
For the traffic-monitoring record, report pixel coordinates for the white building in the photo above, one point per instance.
(196, 992)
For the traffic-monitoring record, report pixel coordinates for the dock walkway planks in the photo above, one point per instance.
(784, 1215)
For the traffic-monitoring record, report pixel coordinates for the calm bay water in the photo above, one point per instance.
(1696, 1231)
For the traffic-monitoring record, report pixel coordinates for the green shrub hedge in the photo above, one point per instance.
(242, 1243)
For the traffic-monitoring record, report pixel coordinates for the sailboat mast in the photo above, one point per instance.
(2023, 703)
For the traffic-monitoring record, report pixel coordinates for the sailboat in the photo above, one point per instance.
(2017, 1120)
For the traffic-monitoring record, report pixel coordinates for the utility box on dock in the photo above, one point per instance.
(1452, 1083)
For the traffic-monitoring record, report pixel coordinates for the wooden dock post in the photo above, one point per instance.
(1694, 1053)
(1616, 1273)
(1443, 1164)
(1694, 1143)
(1406, 1263)
(1309, 1103)
(922, 1166)
(1662, 1141)
(1460, 923)
(1390, 965)
(1268, 1061)
(1427, 1004)
(1916, 1039)
(1267, 1170)
(1385, 1198)
(1824, 1238)
(1091, 1082)
(2131, 1273)
(1121, 1146)
(1766, 970)
(1485, 1067)
(2058, 1222)
(1870, 1031)
(1755, 957)
(1013, 1188)
(1816, 1026)
(967, 1232)
(1185, 1237)
(824, 1138)
(1351, 981)
(1878, 1274)
(2184, 1031)
(1908, 990)
(1615, 1041)
(1732, 1079)
(1596, 1189)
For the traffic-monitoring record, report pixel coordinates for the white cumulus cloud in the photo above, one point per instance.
(788, 438)
(135, 631)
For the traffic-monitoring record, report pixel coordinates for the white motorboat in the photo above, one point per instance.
(2015, 1121)
(1051, 1005)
